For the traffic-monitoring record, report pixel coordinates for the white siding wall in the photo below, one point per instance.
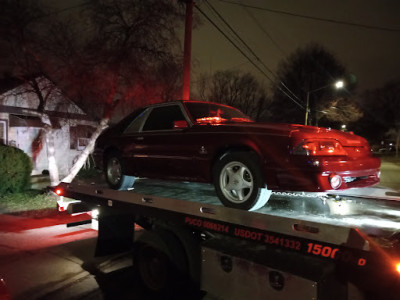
(22, 137)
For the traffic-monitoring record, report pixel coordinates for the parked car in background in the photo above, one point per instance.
(245, 160)
(387, 146)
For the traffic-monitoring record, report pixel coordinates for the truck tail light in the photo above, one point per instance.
(311, 147)
(61, 204)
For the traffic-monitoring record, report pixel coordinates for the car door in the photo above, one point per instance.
(129, 142)
(163, 150)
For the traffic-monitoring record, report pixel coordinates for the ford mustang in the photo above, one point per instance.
(245, 160)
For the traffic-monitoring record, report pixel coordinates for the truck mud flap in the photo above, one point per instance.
(116, 232)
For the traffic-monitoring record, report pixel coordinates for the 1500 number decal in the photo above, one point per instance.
(279, 241)
(324, 251)
(334, 253)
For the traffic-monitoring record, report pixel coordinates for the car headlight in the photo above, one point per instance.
(316, 147)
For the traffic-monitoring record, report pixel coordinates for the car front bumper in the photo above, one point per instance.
(317, 174)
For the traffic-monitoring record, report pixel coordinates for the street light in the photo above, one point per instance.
(338, 85)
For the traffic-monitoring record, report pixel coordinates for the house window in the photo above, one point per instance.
(82, 143)
(3, 132)
(79, 136)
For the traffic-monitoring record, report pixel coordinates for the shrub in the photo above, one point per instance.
(15, 170)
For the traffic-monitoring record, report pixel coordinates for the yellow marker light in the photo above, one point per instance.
(398, 267)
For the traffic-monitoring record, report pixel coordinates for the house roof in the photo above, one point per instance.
(19, 111)
(63, 107)
(25, 121)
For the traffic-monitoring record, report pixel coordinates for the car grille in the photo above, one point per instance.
(349, 179)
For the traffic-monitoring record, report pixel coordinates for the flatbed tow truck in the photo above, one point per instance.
(197, 250)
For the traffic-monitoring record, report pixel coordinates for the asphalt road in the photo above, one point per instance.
(43, 259)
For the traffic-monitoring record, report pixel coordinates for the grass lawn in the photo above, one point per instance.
(37, 201)
(390, 158)
(30, 200)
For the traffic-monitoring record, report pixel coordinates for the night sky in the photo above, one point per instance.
(371, 54)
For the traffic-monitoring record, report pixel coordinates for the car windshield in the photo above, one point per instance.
(211, 113)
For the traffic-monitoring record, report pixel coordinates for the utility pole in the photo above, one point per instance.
(187, 50)
(338, 85)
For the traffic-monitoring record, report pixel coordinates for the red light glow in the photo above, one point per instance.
(320, 147)
(58, 191)
(211, 120)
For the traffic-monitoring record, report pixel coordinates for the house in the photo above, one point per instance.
(20, 125)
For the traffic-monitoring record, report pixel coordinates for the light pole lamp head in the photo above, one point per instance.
(339, 84)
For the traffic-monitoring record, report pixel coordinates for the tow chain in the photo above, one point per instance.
(301, 194)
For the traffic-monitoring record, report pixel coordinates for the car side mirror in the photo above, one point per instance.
(180, 124)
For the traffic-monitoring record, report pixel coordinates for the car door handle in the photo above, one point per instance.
(140, 138)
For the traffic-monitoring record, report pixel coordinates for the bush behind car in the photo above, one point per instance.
(15, 170)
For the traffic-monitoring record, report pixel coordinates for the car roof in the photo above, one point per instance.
(187, 101)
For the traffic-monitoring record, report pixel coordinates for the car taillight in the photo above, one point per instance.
(326, 147)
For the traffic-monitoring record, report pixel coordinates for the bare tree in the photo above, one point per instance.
(340, 110)
(20, 25)
(134, 42)
(234, 88)
(111, 55)
(309, 72)
(382, 113)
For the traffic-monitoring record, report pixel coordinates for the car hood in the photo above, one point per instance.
(347, 139)
(300, 132)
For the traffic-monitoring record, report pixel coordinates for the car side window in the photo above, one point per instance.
(137, 123)
(162, 118)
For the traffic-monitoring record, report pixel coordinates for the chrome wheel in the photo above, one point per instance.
(239, 182)
(236, 182)
(115, 173)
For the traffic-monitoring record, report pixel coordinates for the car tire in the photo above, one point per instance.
(239, 182)
(114, 173)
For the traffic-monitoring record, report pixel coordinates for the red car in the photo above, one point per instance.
(245, 160)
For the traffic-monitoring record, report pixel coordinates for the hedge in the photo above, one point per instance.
(15, 170)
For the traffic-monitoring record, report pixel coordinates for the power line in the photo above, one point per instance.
(314, 18)
(240, 39)
(230, 40)
(249, 59)
(264, 31)
(218, 18)
(273, 41)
